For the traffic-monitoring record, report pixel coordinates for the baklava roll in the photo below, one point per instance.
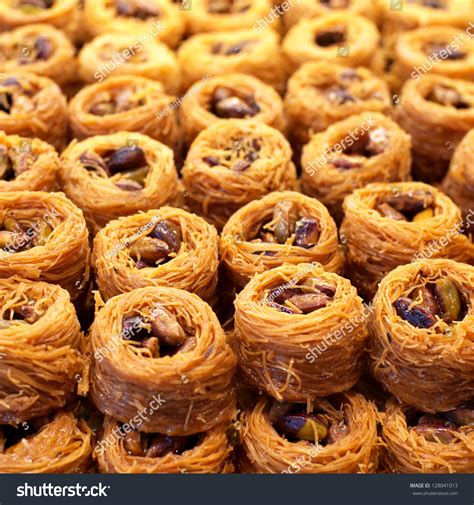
(229, 96)
(435, 49)
(160, 356)
(350, 154)
(309, 9)
(343, 38)
(40, 49)
(41, 347)
(459, 181)
(27, 164)
(165, 247)
(425, 443)
(282, 227)
(232, 163)
(123, 54)
(421, 334)
(322, 93)
(61, 444)
(300, 332)
(62, 14)
(337, 434)
(230, 15)
(33, 106)
(387, 225)
(147, 20)
(125, 103)
(244, 51)
(134, 451)
(44, 237)
(115, 175)
(437, 112)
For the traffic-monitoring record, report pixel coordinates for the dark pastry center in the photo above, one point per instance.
(230, 49)
(161, 333)
(448, 96)
(20, 234)
(159, 246)
(443, 51)
(32, 6)
(121, 101)
(227, 103)
(413, 206)
(238, 156)
(227, 6)
(323, 426)
(440, 298)
(155, 445)
(40, 50)
(335, 4)
(10, 88)
(26, 312)
(432, 4)
(127, 166)
(140, 9)
(331, 37)
(11, 435)
(15, 161)
(302, 297)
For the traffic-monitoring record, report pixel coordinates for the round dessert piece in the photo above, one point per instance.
(282, 227)
(114, 175)
(233, 162)
(420, 343)
(300, 332)
(350, 154)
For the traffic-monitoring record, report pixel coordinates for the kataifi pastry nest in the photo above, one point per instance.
(376, 244)
(27, 164)
(193, 267)
(352, 153)
(206, 452)
(62, 445)
(428, 367)
(99, 175)
(295, 355)
(41, 348)
(356, 452)
(33, 106)
(321, 93)
(192, 389)
(232, 163)
(229, 96)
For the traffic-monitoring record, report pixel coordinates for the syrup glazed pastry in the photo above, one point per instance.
(229, 15)
(139, 452)
(342, 38)
(437, 112)
(165, 247)
(421, 345)
(232, 163)
(38, 324)
(425, 443)
(282, 227)
(43, 236)
(62, 14)
(33, 106)
(337, 161)
(125, 103)
(160, 19)
(387, 225)
(434, 49)
(55, 444)
(337, 434)
(152, 59)
(27, 164)
(119, 174)
(230, 96)
(161, 352)
(40, 49)
(321, 93)
(300, 332)
(243, 51)
(309, 9)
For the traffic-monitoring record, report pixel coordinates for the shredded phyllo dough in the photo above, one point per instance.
(319, 352)
(422, 343)
(166, 345)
